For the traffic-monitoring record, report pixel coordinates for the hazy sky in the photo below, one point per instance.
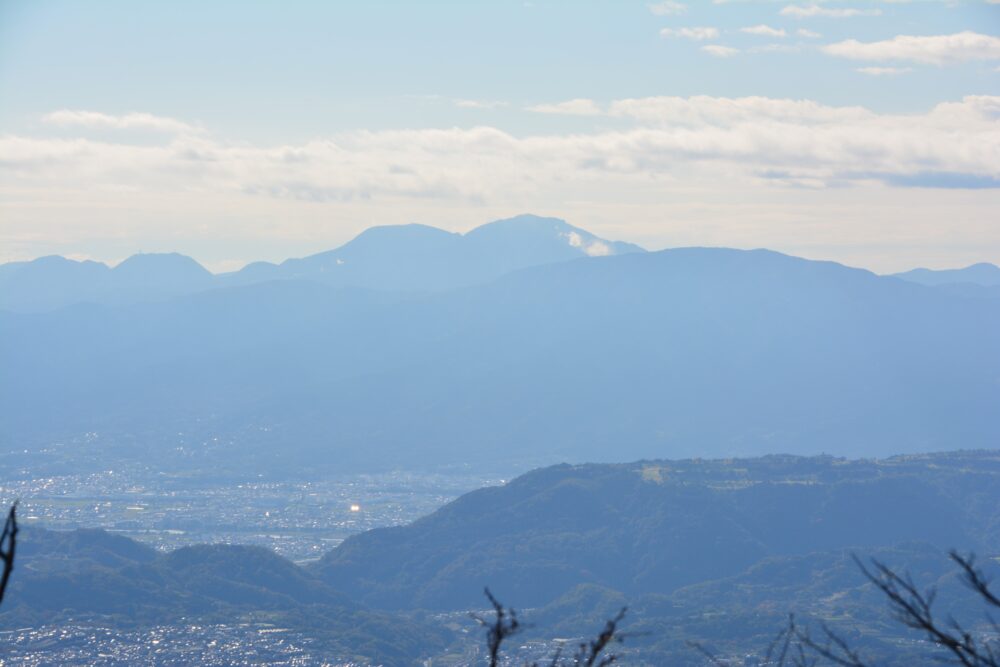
(865, 132)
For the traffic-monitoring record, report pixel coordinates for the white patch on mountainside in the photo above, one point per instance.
(598, 249)
(391, 257)
(574, 239)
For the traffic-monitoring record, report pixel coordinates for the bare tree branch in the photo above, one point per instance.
(8, 547)
(833, 647)
(503, 625)
(974, 577)
(913, 609)
(711, 657)
(784, 641)
(589, 653)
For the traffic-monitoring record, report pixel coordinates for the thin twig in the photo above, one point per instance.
(8, 547)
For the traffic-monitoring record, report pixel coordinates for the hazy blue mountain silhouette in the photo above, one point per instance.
(156, 275)
(971, 290)
(50, 282)
(654, 527)
(403, 257)
(984, 273)
(54, 282)
(419, 257)
(687, 352)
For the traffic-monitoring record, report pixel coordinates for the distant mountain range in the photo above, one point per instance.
(979, 281)
(408, 258)
(985, 274)
(403, 257)
(718, 552)
(54, 282)
(418, 257)
(685, 352)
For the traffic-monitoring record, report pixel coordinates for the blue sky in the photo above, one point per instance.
(865, 132)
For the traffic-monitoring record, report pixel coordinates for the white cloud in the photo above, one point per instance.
(808, 34)
(576, 107)
(706, 111)
(764, 30)
(667, 139)
(593, 249)
(720, 51)
(884, 71)
(932, 49)
(810, 11)
(129, 121)
(655, 178)
(598, 249)
(698, 34)
(668, 8)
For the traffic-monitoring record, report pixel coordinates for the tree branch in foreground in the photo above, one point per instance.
(503, 625)
(795, 646)
(8, 547)
(914, 610)
(591, 653)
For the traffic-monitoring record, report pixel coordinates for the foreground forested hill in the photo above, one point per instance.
(90, 577)
(657, 526)
(714, 551)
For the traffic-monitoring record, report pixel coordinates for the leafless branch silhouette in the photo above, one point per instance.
(8, 548)
(914, 609)
(505, 624)
(796, 646)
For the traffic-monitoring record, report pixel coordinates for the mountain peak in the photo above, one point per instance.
(407, 230)
(983, 273)
(421, 257)
(160, 261)
(406, 238)
(408, 257)
(540, 235)
(157, 275)
(53, 263)
(524, 220)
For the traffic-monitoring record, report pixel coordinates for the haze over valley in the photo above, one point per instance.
(343, 364)
(656, 333)
(294, 406)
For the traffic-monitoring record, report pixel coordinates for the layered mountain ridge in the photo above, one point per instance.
(713, 551)
(411, 257)
(680, 352)
(396, 257)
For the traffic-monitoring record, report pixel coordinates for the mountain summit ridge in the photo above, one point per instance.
(418, 257)
(408, 257)
(982, 273)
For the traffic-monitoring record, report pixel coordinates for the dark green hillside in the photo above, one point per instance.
(740, 615)
(718, 552)
(94, 577)
(655, 527)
